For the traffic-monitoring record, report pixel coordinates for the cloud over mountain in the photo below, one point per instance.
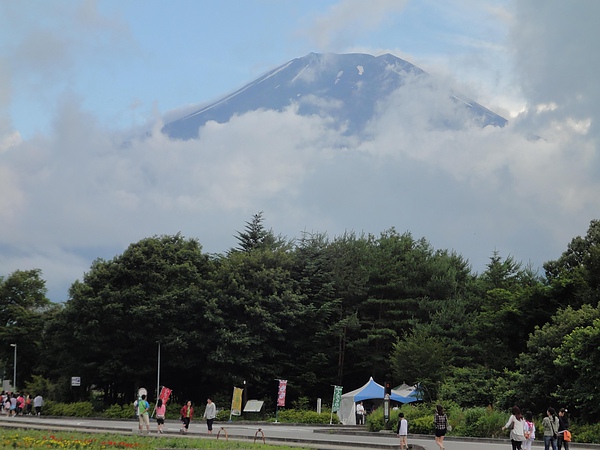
(73, 191)
(351, 89)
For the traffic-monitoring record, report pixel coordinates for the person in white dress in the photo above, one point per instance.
(402, 431)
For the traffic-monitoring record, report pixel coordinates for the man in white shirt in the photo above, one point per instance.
(360, 414)
(402, 431)
(38, 402)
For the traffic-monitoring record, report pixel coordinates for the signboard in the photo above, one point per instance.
(75, 381)
(281, 394)
(337, 398)
(236, 402)
(253, 406)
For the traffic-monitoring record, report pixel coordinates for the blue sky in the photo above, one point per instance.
(127, 60)
(77, 76)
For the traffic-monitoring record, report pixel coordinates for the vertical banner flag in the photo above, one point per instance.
(236, 402)
(281, 395)
(337, 398)
(165, 393)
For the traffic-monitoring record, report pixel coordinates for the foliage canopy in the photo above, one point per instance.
(317, 312)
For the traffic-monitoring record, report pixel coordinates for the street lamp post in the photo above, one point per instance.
(158, 374)
(15, 368)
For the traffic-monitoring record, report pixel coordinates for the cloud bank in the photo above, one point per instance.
(81, 190)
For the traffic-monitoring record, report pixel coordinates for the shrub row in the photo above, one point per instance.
(472, 422)
(306, 416)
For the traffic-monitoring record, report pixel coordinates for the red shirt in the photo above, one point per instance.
(184, 411)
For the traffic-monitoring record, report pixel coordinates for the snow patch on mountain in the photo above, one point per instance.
(299, 75)
(355, 83)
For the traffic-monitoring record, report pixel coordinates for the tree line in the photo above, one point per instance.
(316, 312)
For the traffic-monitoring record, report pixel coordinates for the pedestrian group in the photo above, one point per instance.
(186, 414)
(522, 429)
(15, 404)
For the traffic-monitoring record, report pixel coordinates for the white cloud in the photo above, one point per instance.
(346, 20)
(79, 190)
(89, 194)
(9, 140)
(557, 59)
(11, 197)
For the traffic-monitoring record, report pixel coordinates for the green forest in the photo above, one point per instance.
(317, 312)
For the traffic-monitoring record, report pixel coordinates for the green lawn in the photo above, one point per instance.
(43, 439)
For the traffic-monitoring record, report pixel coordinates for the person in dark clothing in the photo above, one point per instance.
(563, 425)
(440, 423)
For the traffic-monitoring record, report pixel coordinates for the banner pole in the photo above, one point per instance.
(231, 409)
(335, 404)
(332, 406)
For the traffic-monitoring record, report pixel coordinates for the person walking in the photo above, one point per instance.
(402, 431)
(13, 405)
(20, 405)
(161, 409)
(440, 422)
(563, 425)
(210, 412)
(529, 431)
(515, 425)
(550, 424)
(187, 412)
(28, 404)
(143, 415)
(5, 404)
(38, 402)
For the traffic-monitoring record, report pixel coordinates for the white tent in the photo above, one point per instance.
(371, 390)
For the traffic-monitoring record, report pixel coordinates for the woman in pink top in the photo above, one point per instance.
(160, 415)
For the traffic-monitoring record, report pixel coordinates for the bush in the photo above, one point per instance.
(128, 411)
(303, 416)
(302, 403)
(174, 411)
(483, 422)
(475, 422)
(79, 409)
(223, 415)
(422, 425)
(420, 419)
(585, 433)
(375, 421)
(118, 412)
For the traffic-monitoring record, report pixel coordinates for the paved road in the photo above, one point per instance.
(318, 437)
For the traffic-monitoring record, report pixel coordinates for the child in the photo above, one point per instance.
(402, 431)
(529, 430)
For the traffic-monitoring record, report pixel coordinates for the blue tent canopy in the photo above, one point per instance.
(374, 390)
(371, 390)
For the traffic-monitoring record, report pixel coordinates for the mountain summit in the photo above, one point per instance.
(348, 87)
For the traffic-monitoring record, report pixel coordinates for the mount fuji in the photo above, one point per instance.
(346, 87)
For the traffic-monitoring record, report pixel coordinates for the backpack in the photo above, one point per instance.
(530, 432)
